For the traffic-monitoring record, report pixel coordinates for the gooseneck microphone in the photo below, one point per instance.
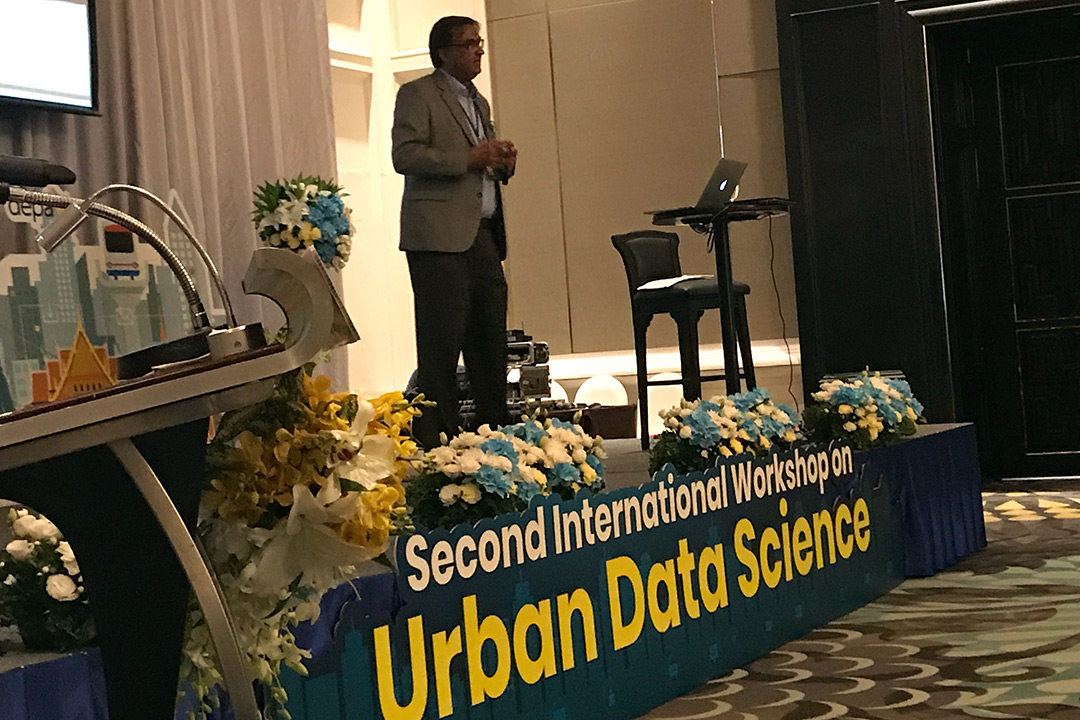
(30, 172)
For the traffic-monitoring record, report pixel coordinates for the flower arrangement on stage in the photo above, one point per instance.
(305, 212)
(698, 432)
(868, 410)
(42, 591)
(301, 489)
(489, 472)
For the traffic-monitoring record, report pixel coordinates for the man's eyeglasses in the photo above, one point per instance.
(471, 44)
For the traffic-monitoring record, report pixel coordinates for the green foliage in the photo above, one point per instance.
(823, 423)
(668, 448)
(349, 408)
(269, 195)
(281, 409)
(426, 509)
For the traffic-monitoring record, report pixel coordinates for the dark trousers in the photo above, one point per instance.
(460, 305)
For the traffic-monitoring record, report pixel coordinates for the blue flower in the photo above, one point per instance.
(530, 431)
(325, 208)
(527, 490)
(846, 394)
(901, 386)
(771, 427)
(327, 249)
(904, 389)
(563, 474)
(504, 448)
(492, 480)
(595, 464)
(703, 431)
(707, 405)
(745, 401)
(751, 429)
(893, 411)
(556, 422)
(327, 214)
(791, 413)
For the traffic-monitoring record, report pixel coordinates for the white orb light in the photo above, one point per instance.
(601, 390)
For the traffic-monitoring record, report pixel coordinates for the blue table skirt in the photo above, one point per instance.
(936, 487)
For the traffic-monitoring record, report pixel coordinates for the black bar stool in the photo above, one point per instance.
(649, 255)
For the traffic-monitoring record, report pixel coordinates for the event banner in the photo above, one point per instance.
(608, 605)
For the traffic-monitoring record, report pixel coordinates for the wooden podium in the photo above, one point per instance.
(120, 472)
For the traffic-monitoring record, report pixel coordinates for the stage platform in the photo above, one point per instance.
(928, 488)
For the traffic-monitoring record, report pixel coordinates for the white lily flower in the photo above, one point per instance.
(305, 546)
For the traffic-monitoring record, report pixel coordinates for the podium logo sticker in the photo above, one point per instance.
(36, 216)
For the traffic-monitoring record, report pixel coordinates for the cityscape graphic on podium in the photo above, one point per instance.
(104, 285)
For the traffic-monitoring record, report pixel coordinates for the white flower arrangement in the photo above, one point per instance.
(698, 432)
(42, 591)
(492, 471)
(305, 212)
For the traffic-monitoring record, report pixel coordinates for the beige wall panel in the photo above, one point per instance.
(750, 250)
(745, 36)
(525, 114)
(635, 98)
(344, 19)
(413, 19)
(753, 132)
(503, 9)
(352, 112)
(344, 12)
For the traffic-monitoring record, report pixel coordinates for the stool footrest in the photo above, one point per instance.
(703, 378)
(676, 381)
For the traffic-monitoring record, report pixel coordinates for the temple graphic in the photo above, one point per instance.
(80, 369)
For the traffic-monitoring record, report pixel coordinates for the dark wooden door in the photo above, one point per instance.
(1006, 103)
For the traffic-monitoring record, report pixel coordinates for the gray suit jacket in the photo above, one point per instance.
(441, 205)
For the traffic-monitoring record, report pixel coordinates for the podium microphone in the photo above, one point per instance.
(30, 172)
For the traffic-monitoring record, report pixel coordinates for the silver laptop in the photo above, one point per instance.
(717, 193)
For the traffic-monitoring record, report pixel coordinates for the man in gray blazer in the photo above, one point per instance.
(452, 230)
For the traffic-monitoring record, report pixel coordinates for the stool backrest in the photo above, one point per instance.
(648, 255)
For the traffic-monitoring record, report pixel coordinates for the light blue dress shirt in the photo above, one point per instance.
(466, 95)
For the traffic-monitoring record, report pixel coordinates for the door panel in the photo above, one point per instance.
(1050, 383)
(1006, 95)
(1045, 256)
(1040, 102)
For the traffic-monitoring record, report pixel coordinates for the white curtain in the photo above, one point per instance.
(207, 98)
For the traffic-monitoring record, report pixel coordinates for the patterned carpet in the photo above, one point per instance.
(996, 636)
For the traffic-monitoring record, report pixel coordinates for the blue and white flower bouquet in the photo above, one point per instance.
(489, 472)
(867, 410)
(305, 212)
(699, 432)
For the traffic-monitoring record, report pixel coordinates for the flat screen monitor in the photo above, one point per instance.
(48, 54)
